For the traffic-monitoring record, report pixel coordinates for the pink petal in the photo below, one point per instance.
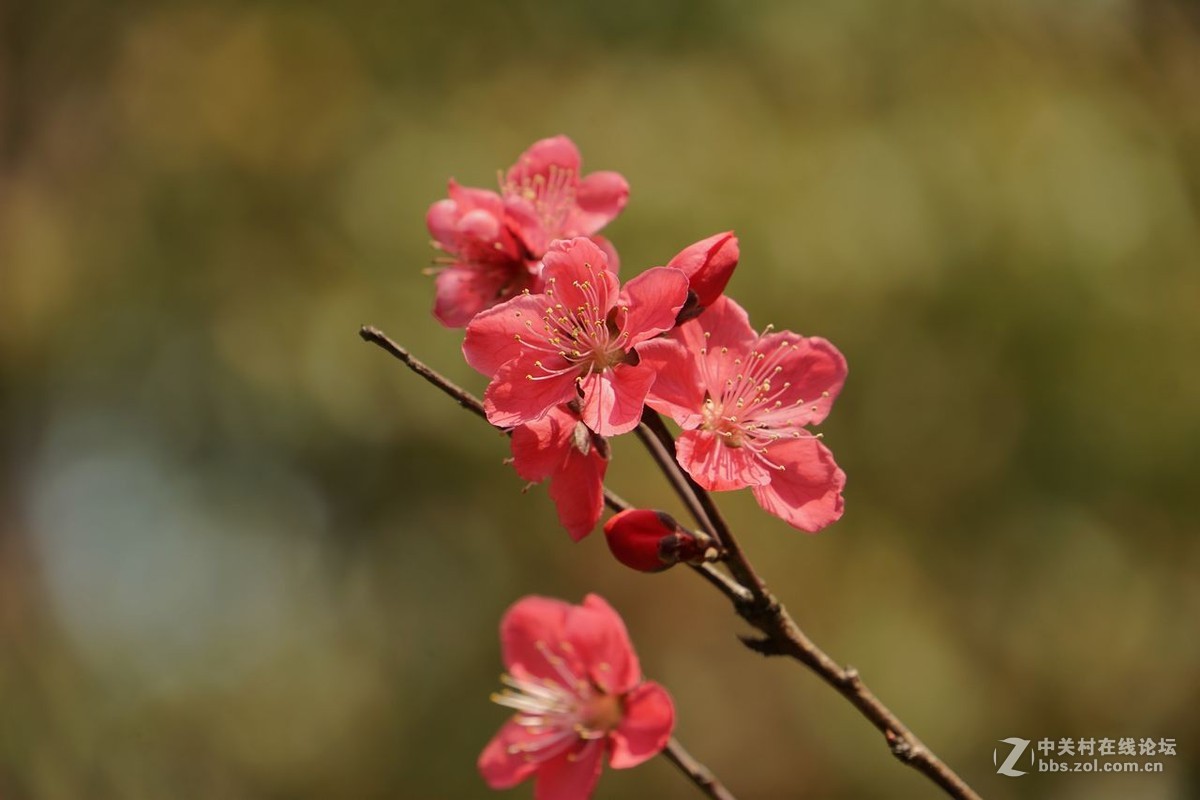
(716, 466)
(653, 300)
(571, 776)
(807, 493)
(469, 198)
(491, 340)
(442, 221)
(610, 251)
(601, 196)
(500, 768)
(677, 390)
(569, 264)
(577, 490)
(722, 333)
(540, 448)
(556, 152)
(462, 291)
(597, 634)
(613, 399)
(645, 728)
(522, 392)
(816, 370)
(527, 622)
(709, 264)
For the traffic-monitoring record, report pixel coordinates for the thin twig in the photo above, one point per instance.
(699, 773)
(782, 636)
(461, 396)
(755, 604)
(676, 477)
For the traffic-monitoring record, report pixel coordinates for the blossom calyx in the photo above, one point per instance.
(652, 541)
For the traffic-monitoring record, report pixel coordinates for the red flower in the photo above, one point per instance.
(560, 447)
(743, 401)
(578, 339)
(485, 264)
(546, 199)
(576, 685)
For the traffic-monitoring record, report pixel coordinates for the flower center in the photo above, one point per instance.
(558, 712)
(746, 405)
(552, 196)
(585, 339)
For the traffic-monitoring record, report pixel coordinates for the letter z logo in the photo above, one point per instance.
(1018, 748)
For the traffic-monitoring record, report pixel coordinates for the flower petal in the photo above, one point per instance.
(677, 390)
(653, 300)
(649, 718)
(719, 335)
(492, 336)
(462, 291)
(601, 196)
(442, 221)
(571, 776)
(816, 371)
(543, 156)
(613, 399)
(527, 622)
(577, 490)
(522, 392)
(501, 768)
(708, 264)
(576, 275)
(540, 448)
(716, 466)
(807, 492)
(600, 641)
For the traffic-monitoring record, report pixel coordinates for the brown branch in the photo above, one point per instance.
(699, 773)
(782, 636)
(755, 604)
(457, 393)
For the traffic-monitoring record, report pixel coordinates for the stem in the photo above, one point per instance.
(699, 773)
(782, 636)
(457, 393)
(755, 604)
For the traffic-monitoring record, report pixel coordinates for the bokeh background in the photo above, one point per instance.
(245, 555)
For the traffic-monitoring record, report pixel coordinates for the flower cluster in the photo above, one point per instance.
(574, 357)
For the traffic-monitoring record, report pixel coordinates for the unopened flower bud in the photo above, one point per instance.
(651, 541)
(708, 264)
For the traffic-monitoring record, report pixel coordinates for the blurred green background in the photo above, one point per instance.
(245, 555)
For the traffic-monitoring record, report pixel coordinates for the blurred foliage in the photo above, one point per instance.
(243, 554)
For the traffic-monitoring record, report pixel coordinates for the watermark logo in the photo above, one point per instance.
(1087, 754)
(1018, 748)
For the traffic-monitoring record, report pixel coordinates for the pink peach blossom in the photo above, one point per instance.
(546, 198)
(744, 401)
(484, 264)
(575, 683)
(577, 339)
(560, 447)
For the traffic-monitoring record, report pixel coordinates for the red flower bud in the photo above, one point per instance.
(651, 541)
(708, 264)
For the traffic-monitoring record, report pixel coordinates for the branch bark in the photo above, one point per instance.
(783, 637)
(699, 774)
